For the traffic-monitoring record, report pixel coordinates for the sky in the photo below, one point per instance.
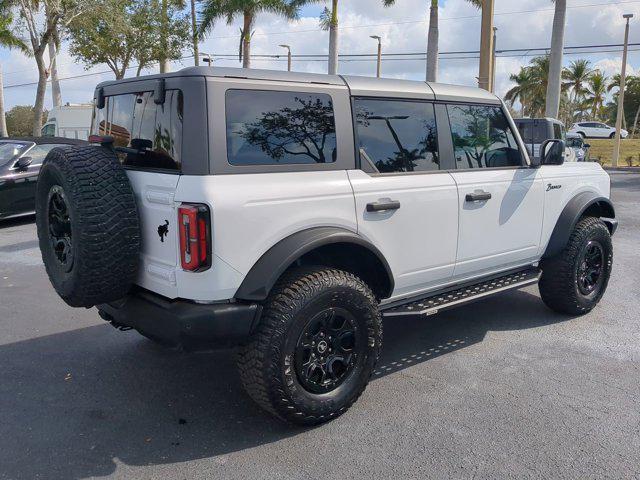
(403, 28)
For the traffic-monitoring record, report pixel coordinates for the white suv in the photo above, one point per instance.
(288, 213)
(596, 130)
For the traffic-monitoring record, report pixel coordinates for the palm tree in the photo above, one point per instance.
(8, 39)
(249, 9)
(520, 93)
(596, 92)
(576, 76)
(329, 21)
(432, 37)
(555, 64)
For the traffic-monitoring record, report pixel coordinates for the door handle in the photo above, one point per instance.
(382, 206)
(478, 195)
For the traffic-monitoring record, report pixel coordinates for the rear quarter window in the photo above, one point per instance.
(267, 127)
(147, 135)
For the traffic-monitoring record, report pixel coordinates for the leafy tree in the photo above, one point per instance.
(531, 87)
(596, 92)
(120, 32)
(40, 19)
(8, 39)
(576, 76)
(20, 120)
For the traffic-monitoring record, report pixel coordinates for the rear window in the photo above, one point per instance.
(533, 132)
(149, 136)
(279, 128)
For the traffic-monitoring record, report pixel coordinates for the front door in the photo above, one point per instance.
(405, 203)
(500, 199)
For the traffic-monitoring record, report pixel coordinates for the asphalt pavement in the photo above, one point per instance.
(502, 388)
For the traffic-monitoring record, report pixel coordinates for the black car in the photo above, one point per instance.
(20, 161)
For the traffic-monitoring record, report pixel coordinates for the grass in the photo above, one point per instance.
(603, 149)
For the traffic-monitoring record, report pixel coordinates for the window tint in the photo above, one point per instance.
(558, 131)
(49, 130)
(38, 152)
(532, 132)
(482, 137)
(278, 128)
(152, 133)
(396, 135)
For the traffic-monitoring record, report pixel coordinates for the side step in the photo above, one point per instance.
(442, 300)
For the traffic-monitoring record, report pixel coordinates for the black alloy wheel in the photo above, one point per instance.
(590, 268)
(59, 220)
(327, 350)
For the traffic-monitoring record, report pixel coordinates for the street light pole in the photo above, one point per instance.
(379, 64)
(623, 73)
(288, 56)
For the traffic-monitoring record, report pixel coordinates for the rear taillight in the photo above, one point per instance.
(195, 237)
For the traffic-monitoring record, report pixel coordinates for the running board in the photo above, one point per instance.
(442, 300)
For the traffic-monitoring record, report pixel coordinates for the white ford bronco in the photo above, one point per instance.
(287, 213)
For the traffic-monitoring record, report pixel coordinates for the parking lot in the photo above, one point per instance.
(502, 388)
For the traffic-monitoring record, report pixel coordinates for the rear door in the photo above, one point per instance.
(500, 199)
(150, 142)
(406, 203)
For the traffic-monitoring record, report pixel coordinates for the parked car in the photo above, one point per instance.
(579, 147)
(286, 213)
(596, 130)
(534, 131)
(72, 120)
(20, 162)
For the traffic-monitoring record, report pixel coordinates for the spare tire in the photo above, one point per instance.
(88, 226)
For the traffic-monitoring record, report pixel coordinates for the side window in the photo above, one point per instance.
(397, 135)
(279, 128)
(482, 137)
(38, 153)
(558, 134)
(152, 134)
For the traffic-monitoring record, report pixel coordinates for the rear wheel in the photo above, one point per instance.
(315, 348)
(612, 135)
(574, 281)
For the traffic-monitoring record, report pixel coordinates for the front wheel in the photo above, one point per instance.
(574, 281)
(315, 348)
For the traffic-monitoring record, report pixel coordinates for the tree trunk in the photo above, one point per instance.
(164, 62)
(432, 43)
(40, 91)
(3, 121)
(246, 40)
(555, 60)
(56, 95)
(333, 39)
(194, 33)
(633, 131)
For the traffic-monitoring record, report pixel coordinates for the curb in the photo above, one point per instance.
(623, 169)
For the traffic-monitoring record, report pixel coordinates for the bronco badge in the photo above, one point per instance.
(552, 187)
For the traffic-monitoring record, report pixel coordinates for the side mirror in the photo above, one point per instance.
(552, 152)
(23, 163)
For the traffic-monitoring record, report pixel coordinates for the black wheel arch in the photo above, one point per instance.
(327, 246)
(582, 205)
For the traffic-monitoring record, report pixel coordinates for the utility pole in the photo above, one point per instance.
(493, 62)
(379, 64)
(194, 33)
(486, 45)
(623, 74)
(288, 56)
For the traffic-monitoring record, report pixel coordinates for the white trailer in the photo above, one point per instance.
(69, 121)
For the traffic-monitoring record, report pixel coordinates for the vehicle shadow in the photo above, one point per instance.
(17, 221)
(77, 403)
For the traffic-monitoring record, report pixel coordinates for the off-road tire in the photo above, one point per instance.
(265, 363)
(103, 223)
(559, 282)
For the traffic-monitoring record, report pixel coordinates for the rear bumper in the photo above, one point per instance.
(183, 323)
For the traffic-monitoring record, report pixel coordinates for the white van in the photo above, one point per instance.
(69, 121)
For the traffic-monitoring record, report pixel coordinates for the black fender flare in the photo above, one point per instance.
(576, 208)
(265, 272)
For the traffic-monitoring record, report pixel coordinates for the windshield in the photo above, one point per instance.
(10, 151)
(574, 142)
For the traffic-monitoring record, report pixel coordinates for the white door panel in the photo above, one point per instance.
(503, 230)
(156, 209)
(418, 239)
